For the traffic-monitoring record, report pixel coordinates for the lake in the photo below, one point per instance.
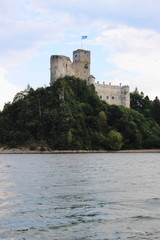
(80, 196)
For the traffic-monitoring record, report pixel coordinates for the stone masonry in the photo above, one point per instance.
(60, 66)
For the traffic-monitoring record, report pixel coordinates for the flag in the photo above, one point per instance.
(84, 37)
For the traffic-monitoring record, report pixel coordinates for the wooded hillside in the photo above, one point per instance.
(70, 115)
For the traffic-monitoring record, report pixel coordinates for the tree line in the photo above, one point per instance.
(70, 116)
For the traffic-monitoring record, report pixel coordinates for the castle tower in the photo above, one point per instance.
(91, 80)
(81, 63)
(125, 96)
(60, 66)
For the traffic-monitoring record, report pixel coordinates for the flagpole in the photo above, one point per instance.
(81, 43)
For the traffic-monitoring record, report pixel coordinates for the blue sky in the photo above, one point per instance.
(123, 37)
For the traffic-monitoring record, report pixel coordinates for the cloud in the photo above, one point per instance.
(142, 12)
(135, 53)
(29, 25)
(24, 31)
(23, 42)
(27, 28)
(7, 90)
(8, 6)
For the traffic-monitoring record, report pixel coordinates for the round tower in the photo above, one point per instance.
(91, 79)
(60, 66)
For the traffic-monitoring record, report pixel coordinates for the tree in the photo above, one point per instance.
(114, 140)
(70, 115)
(156, 110)
(102, 118)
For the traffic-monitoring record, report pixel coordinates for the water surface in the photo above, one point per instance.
(80, 196)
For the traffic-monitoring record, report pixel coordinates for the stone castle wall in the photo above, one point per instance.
(114, 94)
(60, 66)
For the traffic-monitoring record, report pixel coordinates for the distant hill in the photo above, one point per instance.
(70, 116)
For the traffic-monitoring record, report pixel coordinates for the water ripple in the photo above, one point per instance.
(79, 197)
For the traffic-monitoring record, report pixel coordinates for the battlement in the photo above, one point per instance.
(110, 85)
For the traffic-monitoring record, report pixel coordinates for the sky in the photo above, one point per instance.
(122, 35)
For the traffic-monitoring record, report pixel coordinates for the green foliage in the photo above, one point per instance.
(70, 115)
(114, 140)
(102, 119)
(156, 110)
(141, 104)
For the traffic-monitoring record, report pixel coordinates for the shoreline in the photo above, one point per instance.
(28, 151)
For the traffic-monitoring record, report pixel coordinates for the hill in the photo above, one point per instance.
(70, 116)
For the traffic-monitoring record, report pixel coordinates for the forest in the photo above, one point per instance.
(70, 116)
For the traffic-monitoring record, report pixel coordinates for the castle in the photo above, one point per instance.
(60, 66)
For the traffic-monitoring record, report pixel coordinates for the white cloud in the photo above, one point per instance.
(21, 36)
(7, 90)
(135, 54)
(27, 28)
(30, 24)
(141, 12)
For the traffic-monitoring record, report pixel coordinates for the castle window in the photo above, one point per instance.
(112, 97)
(107, 97)
(100, 97)
(86, 66)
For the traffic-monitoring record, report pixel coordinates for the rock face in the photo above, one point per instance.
(61, 66)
